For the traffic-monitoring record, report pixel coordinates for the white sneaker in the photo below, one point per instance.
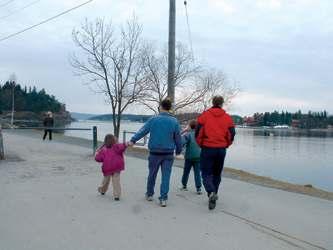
(163, 203)
(149, 198)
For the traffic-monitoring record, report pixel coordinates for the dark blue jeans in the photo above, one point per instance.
(154, 163)
(212, 162)
(187, 169)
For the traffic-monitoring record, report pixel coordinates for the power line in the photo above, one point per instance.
(189, 29)
(20, 9)
(6, 3)
(45, 21)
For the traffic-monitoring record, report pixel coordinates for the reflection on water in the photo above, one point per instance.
(296, 159)
(301, 157)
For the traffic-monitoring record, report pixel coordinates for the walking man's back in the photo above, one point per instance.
(215, 133)
(164, 140)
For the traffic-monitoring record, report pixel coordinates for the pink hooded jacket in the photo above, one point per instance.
(112, 158)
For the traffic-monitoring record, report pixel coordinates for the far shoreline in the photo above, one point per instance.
(228, 172)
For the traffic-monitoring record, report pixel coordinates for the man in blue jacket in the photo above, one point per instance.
(164, 139)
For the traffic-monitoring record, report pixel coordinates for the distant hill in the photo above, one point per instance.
(143, 118)
(129, 117)
(82, 116)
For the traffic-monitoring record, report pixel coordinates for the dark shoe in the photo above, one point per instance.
(199, 192)
(100, 191)
(116, 199)
(184, 188)
(212, 201)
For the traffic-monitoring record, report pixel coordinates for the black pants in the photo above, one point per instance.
(45, 134)
(212, 162)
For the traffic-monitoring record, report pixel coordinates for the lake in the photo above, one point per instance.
(283, 156)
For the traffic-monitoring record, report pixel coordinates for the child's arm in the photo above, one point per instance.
(178, 140)
(185, 139)
(99, 149)
(185, 131)
(121, 147)
(99, 155)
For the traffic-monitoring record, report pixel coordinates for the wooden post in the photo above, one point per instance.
(2, 151)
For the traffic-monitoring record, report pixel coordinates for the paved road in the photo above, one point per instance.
(49, 201)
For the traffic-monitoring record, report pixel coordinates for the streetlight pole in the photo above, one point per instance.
(172, 51)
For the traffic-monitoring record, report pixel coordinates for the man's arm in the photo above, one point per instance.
(178, 140)
(232, 132)
(142, 132)
(197, 130)
(200, 122)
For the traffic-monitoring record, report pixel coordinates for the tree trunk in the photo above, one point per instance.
(114, 121)
(117, 130)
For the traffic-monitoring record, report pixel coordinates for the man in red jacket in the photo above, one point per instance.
(215, 133)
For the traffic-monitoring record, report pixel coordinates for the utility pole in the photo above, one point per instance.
(172, 51)
(13, 102)
(12, 81)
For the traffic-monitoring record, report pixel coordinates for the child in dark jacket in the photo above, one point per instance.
(111, 154)
(192, 157)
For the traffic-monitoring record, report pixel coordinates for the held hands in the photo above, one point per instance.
(179, 157)
(129, 144)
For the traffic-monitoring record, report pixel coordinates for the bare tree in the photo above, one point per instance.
(155, 65)
(217, 84)
(111, 62)
(195, 85)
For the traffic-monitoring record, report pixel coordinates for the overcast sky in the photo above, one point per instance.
(279, 51)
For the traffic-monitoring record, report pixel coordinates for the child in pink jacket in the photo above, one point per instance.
(111, 154)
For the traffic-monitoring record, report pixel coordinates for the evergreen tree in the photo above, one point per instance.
(32, 100)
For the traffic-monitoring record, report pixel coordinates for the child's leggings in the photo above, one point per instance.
(115, 184)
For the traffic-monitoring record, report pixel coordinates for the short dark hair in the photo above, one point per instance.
(193, 124)
(166, 104)
(218, 101)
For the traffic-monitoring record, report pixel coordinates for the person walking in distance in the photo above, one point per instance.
(164, 139)
(48, 124)
(215, 133)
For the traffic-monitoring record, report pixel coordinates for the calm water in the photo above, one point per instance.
(302, 160)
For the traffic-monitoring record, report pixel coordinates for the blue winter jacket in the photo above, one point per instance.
(164, 136)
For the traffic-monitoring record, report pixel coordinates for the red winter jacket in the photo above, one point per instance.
(215, 129)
